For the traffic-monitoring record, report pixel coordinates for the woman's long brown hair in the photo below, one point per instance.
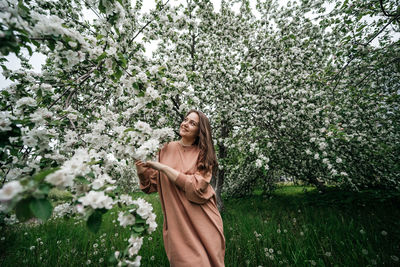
(207, 159)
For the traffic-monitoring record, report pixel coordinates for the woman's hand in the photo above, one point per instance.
(155, 165)
(140, 166)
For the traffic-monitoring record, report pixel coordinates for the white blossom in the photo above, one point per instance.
(10, 190)
(126, 219)
(96, 200)
(135, 243)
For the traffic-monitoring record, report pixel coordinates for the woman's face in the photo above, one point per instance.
(190, 126)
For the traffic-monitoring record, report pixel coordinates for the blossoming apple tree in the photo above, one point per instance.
(294, 92)
(98, 104)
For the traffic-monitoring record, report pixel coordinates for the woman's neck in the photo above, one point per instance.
(186, 141)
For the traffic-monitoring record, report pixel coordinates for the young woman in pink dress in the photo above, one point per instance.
(192, 230)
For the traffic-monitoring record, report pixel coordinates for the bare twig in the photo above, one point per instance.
(336, 77)
(147, 24)
(384, 11)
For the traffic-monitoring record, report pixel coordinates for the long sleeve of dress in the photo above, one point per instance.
(148, 181)
(196, 186)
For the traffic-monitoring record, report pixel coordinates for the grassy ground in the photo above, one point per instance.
(290, 228)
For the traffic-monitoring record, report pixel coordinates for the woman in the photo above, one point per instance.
(192, 229)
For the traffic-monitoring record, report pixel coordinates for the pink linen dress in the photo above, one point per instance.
(192, 230)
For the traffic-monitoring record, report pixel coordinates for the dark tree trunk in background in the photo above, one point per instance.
(320, 185)
(218, 180)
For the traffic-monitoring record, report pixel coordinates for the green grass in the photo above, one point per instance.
(299, 228)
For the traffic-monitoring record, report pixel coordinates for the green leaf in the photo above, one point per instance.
(102, 8)
(138, 229)
(21, 6)
(94, 221)
(136, 86)
(139, 219)
(36, 43)
(41, 208)
(52, 44)
(112, 259)
(129, 129)
(23, 211)
(29, 50)
(101, 57)
(44, 189)
(41, 175)
(94, 162)
(122, 59)
(81, 179)
(118, 73)
(91, 174)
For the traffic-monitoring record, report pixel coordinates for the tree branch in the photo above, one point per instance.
(384, 12)
(147, 24)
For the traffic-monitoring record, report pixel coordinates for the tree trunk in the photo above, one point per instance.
(219, 181)
(320, 185)
(218, 189)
